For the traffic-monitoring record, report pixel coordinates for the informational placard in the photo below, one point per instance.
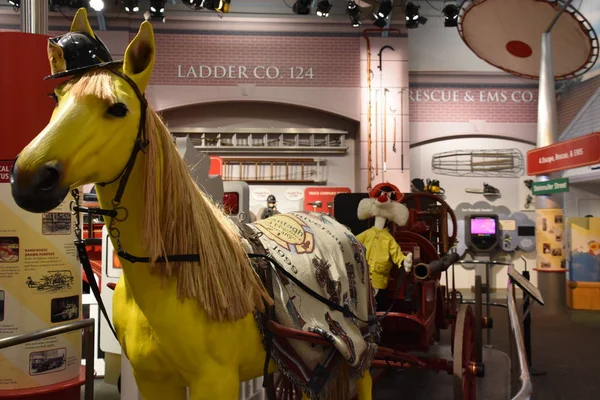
(320, 199)
(550, 239)
(583, 249)
(40, 287)
(525, 284)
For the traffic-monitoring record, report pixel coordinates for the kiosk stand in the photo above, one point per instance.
(482, 238)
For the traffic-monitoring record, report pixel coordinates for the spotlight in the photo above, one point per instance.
(157, 10)
(382, 13)
(302, 7)
(97, 5)
(223, 6)
(354, 13)
(450, 15)
(15, 3)
(131, 5)
(323, 8)
(413, 19)
(195, 4)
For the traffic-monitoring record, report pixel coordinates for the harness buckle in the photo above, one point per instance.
(116, 217)
(72, 205)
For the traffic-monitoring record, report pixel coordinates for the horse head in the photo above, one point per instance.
(99, 111)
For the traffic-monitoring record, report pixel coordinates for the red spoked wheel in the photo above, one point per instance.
(433, 218)
(466, 368)
(284, 388)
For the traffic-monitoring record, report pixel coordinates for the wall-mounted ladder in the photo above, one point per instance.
(274, 170)
(222, 141)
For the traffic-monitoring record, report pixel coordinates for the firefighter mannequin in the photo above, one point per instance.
(382, 250)
(271, 208)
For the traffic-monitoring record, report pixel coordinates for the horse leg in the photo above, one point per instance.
(221, 383)
(364, 387)
(160, 389)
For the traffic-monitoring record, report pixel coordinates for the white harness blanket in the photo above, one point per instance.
(327, 258)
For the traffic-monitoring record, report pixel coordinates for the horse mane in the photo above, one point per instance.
(179, 218)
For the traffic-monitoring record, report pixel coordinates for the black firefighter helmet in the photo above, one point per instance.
(76, 52)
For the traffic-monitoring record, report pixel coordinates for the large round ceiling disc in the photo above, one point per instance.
(508, 35)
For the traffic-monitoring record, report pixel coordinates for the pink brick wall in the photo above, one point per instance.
(335, 61)
(570, 102)
(460, 104)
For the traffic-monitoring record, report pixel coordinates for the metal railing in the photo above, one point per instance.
(526, 389)
(88, 340)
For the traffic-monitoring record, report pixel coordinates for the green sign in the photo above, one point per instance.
(549, 187)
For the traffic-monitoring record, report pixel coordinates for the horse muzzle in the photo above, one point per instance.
(40, 190)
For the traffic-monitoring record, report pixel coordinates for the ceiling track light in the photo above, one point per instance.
(131, 6)
(353, 13)
(302, 7)
(223, 6)
(97, 5)
(413, 19)
(157, 10)
(195, 4)
(323, 8)
(450, 11)
(220, 6)
(381, 16)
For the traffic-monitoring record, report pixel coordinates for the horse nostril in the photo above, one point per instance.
(49, 177)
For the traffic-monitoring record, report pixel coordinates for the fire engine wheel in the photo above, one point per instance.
(466, 368)
(284, 389)
(421, 203)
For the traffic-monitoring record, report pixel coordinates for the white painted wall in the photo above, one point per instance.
(512, 197)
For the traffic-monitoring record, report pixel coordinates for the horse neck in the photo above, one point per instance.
(143, 284)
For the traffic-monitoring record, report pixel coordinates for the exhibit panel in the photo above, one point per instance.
(40, 278)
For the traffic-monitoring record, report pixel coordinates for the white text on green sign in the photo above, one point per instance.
(548, 187)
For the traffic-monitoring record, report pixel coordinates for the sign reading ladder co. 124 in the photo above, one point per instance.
(244, 72)
(574, 153)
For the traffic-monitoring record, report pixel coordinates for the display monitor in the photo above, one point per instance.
(483, 232)
(483, 226)
(526, 230)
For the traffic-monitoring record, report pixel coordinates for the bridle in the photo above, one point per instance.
(118, 213)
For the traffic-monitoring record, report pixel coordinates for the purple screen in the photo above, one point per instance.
(483, 226)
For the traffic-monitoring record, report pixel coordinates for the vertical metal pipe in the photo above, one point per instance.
(488, 307)
(552, 284)
(89, 362)
(547, 128)
(34, 16)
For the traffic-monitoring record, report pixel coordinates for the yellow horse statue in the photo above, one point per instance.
(192, 320)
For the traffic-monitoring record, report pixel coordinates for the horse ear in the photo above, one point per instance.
(81, 24)
(139, 56)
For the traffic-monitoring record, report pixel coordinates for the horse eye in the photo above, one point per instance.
(117, 110)
(53, 96)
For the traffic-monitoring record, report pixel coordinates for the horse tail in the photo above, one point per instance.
(340, 387)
